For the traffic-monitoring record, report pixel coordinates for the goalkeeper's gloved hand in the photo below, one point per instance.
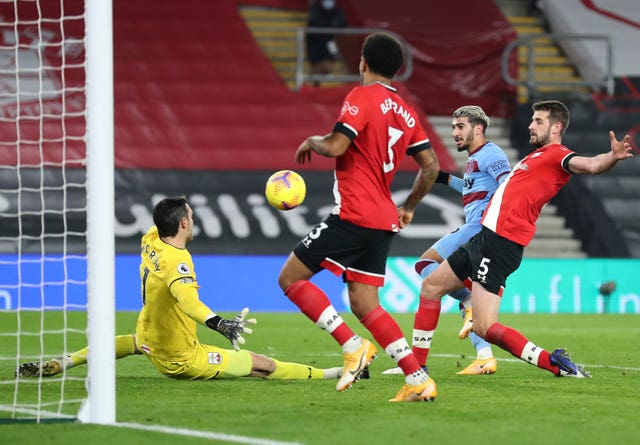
(443, 178)
(234, 328)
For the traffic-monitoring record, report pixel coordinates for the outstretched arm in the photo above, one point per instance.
(195, 309)
(232, 329)
(331, 145)
(429, 168)
(603, 162)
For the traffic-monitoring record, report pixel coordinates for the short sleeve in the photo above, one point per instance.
(354, 113)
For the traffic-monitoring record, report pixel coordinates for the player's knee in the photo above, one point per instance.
(286, 279)
(262, 366)
(292, 271)
(480, 327)
(431, 289)
(283, 282)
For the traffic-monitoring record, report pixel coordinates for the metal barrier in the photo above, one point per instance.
(302, 76)
(607, 82)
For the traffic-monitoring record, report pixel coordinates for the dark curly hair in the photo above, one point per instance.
(383, 54)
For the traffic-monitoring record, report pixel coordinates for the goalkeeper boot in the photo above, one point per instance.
(355, 363)
(425, 392)
(467, 324)
(561, 358)
(479, 366)
(40, 369)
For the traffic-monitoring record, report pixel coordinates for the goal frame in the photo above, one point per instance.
(100, 407)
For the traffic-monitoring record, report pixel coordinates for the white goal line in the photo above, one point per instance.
(203, 434)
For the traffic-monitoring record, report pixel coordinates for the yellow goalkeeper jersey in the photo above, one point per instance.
(166, 327)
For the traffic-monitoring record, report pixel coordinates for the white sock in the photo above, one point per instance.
(332, 373)
(531, 353)
(485, 353)
(416, 378)
(352, 344)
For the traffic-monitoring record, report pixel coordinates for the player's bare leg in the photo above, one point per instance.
(485, 323)
(314, 303)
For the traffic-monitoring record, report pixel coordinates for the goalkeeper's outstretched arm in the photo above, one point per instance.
(232, 329)
(195, 309)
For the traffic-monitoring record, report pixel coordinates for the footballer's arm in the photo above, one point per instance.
(191, 304)
(426, 177)
(603, 162)
(332, 145)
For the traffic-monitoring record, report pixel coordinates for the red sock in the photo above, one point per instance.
(515, 343)
(426, 319)
(312, 303)
(386, 331)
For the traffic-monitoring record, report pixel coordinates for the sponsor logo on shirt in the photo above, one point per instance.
(499, 165)
(351, 109)
(467, 183)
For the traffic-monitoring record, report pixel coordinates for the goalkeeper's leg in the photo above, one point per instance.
(270, 368)
(125, 346)
(297, 371)
(212, 362)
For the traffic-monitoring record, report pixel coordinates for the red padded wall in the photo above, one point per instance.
(193, 91)
(457, 50)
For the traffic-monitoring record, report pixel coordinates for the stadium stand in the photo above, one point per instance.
(457, 57)
(191, 80)
(207, 102)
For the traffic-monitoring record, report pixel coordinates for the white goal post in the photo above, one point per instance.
(100, 213)
(57, 246)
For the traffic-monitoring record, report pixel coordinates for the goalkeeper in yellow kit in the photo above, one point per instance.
(166, 328)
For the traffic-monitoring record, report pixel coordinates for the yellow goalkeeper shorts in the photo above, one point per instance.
(208, 362)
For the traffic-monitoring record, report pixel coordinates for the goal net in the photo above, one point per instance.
(44, 206)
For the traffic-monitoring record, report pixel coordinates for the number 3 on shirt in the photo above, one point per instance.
(394, 135)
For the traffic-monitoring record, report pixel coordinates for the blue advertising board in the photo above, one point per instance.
(229, 283)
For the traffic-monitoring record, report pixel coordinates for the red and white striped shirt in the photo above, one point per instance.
(515, 207)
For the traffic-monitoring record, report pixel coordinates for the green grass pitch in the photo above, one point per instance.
(520, 404)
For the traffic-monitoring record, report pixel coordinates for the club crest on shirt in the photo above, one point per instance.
(520, 166)
(471, 167)
(215, 358)
(183, 268)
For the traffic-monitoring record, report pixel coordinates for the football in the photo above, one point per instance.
(285, 190)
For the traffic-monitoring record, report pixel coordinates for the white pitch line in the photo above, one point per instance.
(515, 360)
(203, 434)
(508, 359)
